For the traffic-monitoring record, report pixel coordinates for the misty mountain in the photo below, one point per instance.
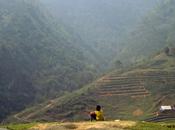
(39, 58)
(133, 93)
(103, 25)
(46, 55)
(154, 32)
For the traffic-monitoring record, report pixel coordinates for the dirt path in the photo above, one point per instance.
(118, 125)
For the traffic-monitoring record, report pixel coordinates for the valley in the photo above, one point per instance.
(59, 59)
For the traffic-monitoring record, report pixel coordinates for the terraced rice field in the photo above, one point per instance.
(132, 85)
(135, 95)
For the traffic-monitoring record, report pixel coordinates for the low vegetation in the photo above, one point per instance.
(153, 126)
(19, 126)
(107, 125)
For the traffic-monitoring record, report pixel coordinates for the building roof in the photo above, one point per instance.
(165, 108)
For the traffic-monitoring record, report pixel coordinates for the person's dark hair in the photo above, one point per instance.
(98, 108)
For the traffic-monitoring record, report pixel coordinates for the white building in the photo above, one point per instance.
(165, 108)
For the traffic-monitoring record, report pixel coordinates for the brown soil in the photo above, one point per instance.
(138, 112)
(112, 125)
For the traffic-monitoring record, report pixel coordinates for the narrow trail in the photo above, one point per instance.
(118, 125)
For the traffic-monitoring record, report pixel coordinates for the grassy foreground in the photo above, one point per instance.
(108, 125)
(153, 126)
(18, 126)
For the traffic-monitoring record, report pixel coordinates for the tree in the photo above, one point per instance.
(118, 64)
(167, 50)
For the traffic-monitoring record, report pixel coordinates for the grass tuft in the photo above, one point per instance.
(19, 126)
(153, 126)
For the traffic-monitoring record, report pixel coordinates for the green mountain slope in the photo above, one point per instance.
(156, 31)
(136, 93)
(39, 58)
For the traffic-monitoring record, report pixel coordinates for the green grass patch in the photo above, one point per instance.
(153, 126)
(19, 126)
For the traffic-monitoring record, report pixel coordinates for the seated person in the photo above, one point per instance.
(97, 115)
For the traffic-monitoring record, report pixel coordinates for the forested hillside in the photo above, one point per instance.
(45, 55)
(133, 93)
(136, 93)
(39, 58)
(119, 30)
(155, 32)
